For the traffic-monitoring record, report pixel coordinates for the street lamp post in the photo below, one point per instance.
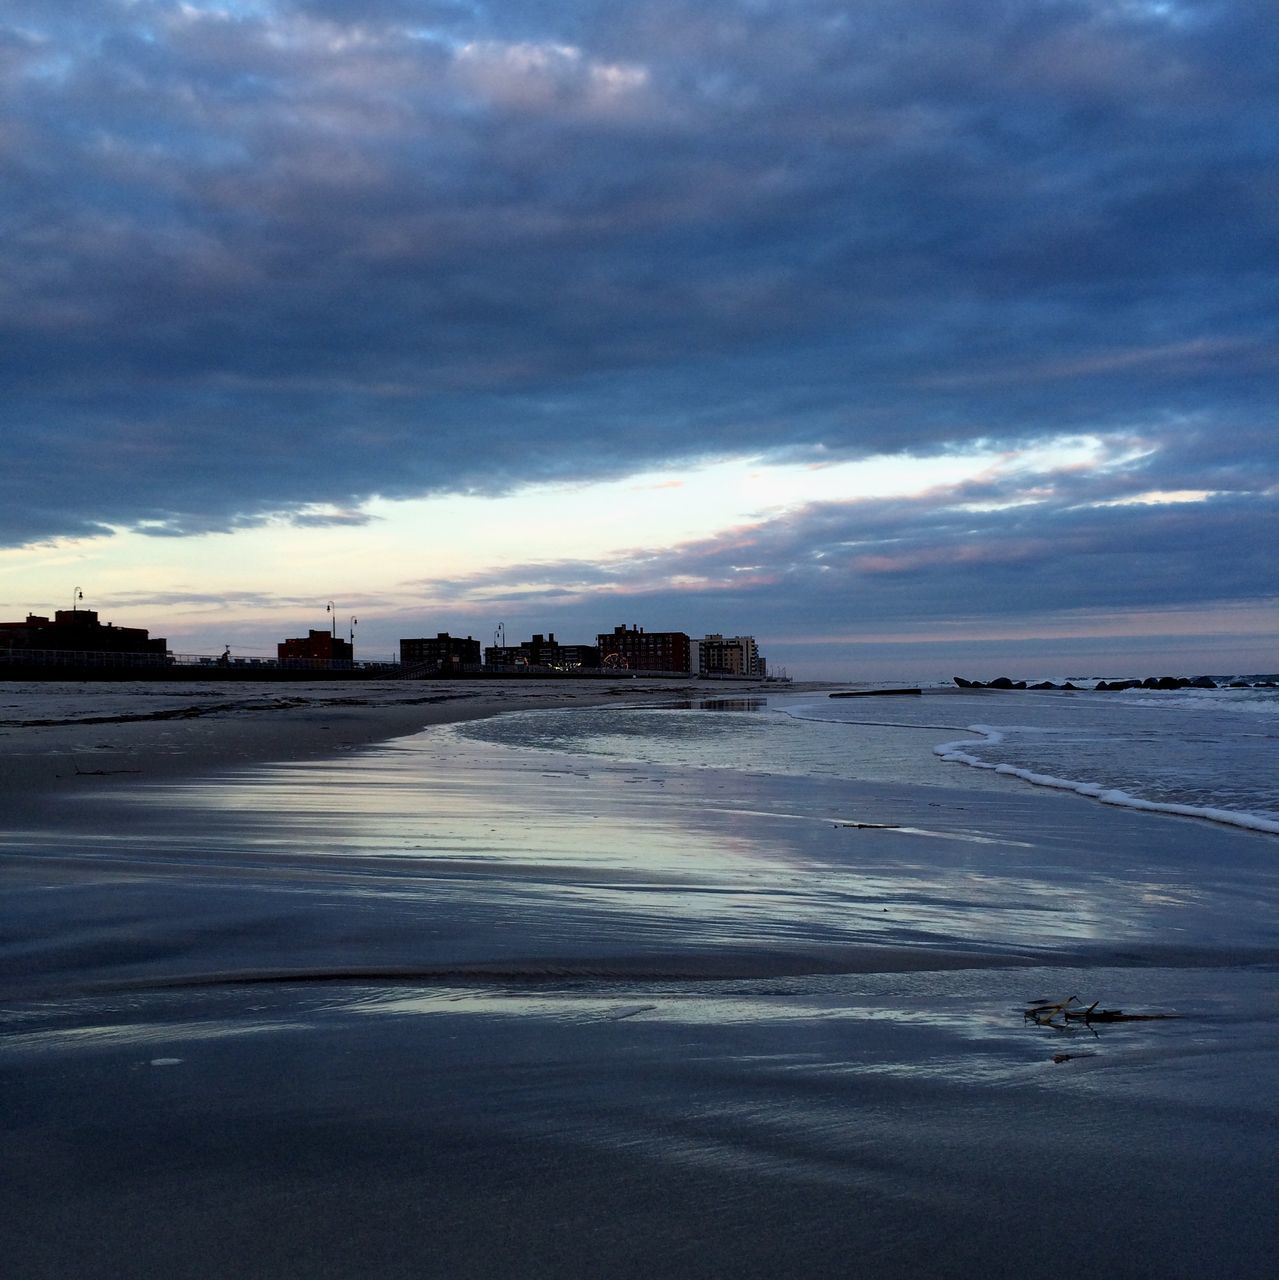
(333, 625)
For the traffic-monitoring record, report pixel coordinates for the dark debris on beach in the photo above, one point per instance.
(1116, 686)
(1058, 1013)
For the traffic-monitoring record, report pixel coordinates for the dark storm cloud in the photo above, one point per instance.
(275, 256)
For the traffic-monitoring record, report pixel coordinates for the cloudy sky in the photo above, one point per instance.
(912, 336)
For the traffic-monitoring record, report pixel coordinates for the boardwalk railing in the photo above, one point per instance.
(16, 659)
(152, 661)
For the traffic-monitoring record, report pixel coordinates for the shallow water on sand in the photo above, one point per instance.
(441, 852)
(458, 1006)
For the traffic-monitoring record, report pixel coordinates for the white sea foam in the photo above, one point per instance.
(1208, 754)
(954, 753)
(1211, 754)
(1214, 701)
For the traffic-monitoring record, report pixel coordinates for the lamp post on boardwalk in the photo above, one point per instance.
(333, 625)
(353, 622)
(76, 595)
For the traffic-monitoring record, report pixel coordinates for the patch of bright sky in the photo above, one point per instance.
(1254, 618)
(226, 8)
(1159, 498)
(453, 536)
(1161, 10)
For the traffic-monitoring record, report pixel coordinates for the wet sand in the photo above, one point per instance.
(439, 1008)
(50, 734)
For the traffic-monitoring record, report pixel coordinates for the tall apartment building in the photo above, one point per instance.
(638, 650)
(729, 656)
(440, 651)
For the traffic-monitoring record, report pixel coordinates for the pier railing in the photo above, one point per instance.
(153, 661)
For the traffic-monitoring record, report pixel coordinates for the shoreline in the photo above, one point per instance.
(220, 727)
(334, 789)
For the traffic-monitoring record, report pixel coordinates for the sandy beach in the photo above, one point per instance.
(391, 987)
(50, 734)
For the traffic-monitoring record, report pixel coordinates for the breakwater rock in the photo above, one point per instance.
(1117, 686)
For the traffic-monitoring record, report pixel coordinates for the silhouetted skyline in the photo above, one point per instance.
(909, 335)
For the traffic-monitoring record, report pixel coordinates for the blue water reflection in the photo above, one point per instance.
(444, 852)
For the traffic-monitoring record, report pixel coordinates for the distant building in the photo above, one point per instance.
(571, 657)
(318, 646)
(635, 649)
(77, 631)
(543, 651)
(506, 655)
(729, 656)
(440, 651)
(546, 651)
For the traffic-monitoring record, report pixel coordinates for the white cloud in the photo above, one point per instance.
(532, 75)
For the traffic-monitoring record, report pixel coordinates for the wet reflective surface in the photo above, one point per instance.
(463, 1007)
(442, 851)
(768, 1126)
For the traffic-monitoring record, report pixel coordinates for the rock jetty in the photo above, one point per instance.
(1117, 686)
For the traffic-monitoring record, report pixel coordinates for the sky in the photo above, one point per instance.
(913, 337)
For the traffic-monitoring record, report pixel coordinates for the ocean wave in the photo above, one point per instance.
(953, 753)
(1213, 701)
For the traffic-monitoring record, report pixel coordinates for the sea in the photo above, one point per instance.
(1209, 754)
(731, 984)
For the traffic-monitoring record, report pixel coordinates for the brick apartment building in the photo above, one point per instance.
(440, 651)
(635, 649)
(317, 646)
(78, 631)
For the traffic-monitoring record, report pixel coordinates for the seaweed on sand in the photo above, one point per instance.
(1059, 1013)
